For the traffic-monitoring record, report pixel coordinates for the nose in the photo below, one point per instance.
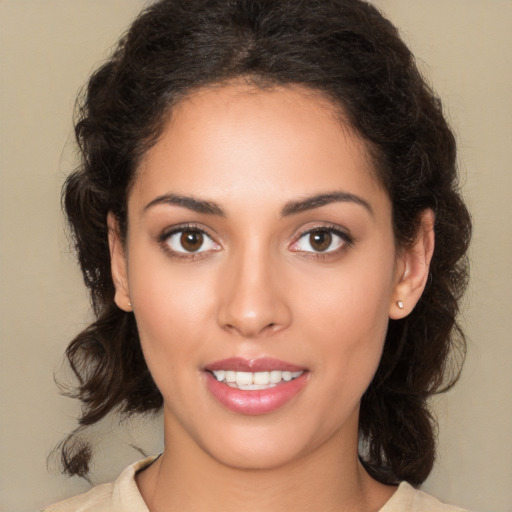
(253, 302)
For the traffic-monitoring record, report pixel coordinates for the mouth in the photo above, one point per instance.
(254, 387)
(255, 381)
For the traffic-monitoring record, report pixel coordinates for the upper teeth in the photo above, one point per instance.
(254, 380)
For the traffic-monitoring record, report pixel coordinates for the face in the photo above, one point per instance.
(260, 250)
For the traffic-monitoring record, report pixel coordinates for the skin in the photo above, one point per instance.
(257, 288)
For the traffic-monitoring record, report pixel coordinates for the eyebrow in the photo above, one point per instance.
(318, 200)
(196, 205)
(290, 208)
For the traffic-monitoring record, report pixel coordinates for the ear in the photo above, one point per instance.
(413, 266)
(118, 264)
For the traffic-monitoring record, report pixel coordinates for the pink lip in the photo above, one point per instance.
(256, 402)
(262, 364)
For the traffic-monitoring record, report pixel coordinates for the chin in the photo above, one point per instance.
(265, 447)
(259, 456)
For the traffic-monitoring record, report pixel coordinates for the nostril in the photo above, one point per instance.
(251, 331)
(250, 313)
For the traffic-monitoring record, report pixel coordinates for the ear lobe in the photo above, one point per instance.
(414, 266)
(118, 264)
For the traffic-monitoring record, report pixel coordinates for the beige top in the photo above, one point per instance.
(124, 496)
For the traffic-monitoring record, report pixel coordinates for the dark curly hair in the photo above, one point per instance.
(349, 52)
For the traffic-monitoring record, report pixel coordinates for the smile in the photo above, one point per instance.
(256, 386)
(254, 381)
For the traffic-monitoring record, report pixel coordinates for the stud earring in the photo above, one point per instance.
(130, 305)
(400, 304)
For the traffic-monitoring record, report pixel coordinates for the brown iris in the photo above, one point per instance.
(320, 240)
(191, 241)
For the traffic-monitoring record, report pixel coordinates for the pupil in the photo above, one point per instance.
(191, 240)
(320, 240)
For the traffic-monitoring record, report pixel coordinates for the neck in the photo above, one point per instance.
(330, 479)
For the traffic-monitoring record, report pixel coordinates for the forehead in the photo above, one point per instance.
(237, 139)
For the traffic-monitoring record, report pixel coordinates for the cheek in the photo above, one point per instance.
(354, 297)
(171, 308)
(351, 337)
(351, 342)
(345, 312)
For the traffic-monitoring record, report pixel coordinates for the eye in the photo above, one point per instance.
(190, 240)
(321, 240)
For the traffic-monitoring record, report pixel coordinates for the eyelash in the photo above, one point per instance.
(346, 241)
(163, 241)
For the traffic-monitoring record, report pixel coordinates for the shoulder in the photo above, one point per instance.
(121, 495)
(99, 498)
(409, 499)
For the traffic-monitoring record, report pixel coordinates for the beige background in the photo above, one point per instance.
(47, 50)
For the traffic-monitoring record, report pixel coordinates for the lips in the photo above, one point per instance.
(253, 365)
(254, 387)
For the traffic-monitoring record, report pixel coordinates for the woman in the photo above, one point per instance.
(268, 220)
